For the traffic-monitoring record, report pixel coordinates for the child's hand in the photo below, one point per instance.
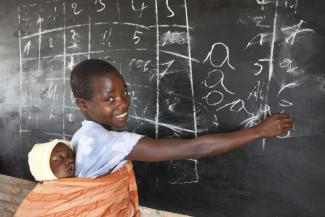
(275, 125)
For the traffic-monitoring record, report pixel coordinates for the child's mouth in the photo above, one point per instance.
(121, 116)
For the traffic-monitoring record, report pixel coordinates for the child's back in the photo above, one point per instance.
(100, 151)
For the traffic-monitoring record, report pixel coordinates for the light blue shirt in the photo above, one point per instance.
(99, 150)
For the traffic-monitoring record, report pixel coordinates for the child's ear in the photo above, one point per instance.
(81, 103)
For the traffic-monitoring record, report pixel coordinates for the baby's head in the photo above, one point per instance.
(52, 160)
(100, 92)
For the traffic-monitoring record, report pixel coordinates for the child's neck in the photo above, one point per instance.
(103, 125)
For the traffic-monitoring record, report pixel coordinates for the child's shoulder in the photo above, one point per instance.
(93, 129)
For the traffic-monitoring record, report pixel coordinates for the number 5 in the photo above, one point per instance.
(136, 37)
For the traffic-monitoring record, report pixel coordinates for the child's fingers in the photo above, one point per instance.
(281, 116)
(286, 118)
(286, 123)
(287, 126)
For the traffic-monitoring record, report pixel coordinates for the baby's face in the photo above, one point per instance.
(62, 161)
(110, 101)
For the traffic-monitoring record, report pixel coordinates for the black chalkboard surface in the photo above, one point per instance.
(192, 67)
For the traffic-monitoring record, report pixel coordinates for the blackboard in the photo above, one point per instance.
(192, 67)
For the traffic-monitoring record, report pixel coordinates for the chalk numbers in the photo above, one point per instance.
(138, 7)
(76, 9)
(100, 5)
(136, 36)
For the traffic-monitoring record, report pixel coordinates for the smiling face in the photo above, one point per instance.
(109, 103)
(62, 161)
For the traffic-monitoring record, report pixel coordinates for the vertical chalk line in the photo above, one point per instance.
(89, 36)
(191, 80)
(64, 73)
(39, 50)
(120, 33)
(296, 6)
(272, 44)
(271, 64)
(20, 77)
(157, 79)
(190, 68)
(157, 68)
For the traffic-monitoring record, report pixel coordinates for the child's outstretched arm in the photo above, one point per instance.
(151, 150)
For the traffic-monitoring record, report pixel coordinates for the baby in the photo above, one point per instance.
(52, 160)
(57, 194)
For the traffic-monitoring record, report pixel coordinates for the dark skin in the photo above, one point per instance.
(109, 105)
(62, 161)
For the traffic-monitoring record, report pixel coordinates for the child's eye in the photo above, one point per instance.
(110, 99)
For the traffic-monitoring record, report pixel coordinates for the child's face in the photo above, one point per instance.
(62, 161)
(110, 101)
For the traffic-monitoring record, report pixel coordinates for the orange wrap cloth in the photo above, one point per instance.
(112, 195)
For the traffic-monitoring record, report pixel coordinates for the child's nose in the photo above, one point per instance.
(70, 160)
(123, 103)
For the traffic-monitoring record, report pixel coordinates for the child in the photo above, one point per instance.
(52, 160)
(102, 96)
(60, 195)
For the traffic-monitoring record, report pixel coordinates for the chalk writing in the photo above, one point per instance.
(292, 31)
(75, 11)
(151, 44)
(169, 9)
(90, 36)
(101, 5)
(224, 60)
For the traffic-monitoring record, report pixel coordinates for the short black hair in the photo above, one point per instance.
(84, 73)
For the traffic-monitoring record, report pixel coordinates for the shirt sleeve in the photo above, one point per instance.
(125, 141)
(101, 151)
